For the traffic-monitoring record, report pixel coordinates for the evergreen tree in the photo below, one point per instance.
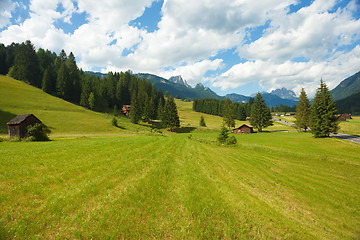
(26, 65)
(74, 79)
(91, 101)
(3, 55)
(323, 119)
(260, 113)
(115, 111)
(302, 115)
(202, 121)
(63, 82)
(135, 113)
(170, 114)
(229, 114)
(224, 135)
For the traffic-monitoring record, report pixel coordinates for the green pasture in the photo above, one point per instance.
(284, 185)
(351, 126)
(62, 117)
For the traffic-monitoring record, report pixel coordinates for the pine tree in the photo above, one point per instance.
(63, 82)
(135, 113)
(323, 119)
(260, 113)
(74, 79)
(91, 101)
(202, 121)
(170, 114)
(302, 115)
(229, 114)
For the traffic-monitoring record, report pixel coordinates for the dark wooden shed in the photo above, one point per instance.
(245, 128)
(18, 125)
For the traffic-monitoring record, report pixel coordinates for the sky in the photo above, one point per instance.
(238, 46)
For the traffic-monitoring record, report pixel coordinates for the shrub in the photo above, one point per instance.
(38, 132)
(114, 122)
(231, 140)
(224, 134)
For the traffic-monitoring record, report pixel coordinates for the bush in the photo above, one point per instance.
(224, 134)
(231, 140)
(38, 132)
(114, 122)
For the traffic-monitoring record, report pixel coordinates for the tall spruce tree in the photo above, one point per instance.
(170, 114)
(260, 113)
(323, 119)
(229, 114)
(135, 113)
(302, 115)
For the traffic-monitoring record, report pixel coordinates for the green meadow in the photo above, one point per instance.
(96, 181)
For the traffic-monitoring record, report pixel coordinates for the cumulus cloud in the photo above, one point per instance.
(312, 32)
(292, 75)
(190, 36)
(6, 7)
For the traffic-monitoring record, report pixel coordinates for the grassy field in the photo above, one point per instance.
(351, 126)
(97, 181)
(270, 185)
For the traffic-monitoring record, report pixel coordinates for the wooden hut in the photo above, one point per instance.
(126, 109)
(245, 128)
(346, 115)
(341, 118)
(17, 126)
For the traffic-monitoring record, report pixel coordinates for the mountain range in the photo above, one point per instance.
(177, 86)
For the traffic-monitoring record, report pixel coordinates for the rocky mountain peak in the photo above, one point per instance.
(179, 80)
(284, 93)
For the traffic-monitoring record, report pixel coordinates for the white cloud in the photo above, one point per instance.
(311, 32)
(292, 75)
(194, 73)
(6, 7)
(190, 34)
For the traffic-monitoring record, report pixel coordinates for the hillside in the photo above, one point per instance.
(62, 117)
(178, 89)
(347, 87)
(349, 104)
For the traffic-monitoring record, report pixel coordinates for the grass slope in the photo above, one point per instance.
(62, 117)
(269, 186)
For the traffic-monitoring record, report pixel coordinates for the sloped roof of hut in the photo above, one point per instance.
(20, 118)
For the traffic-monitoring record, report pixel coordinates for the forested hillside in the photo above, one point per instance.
(59, 76)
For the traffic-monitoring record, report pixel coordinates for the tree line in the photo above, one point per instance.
(217, 107)
(60, 76)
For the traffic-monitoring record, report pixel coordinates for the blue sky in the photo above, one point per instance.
(230, 46)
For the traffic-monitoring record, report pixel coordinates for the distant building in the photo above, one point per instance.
(17, 126)
(347, 115)
(248, 118)
(341, 118)
(245, 128)
(126, 109)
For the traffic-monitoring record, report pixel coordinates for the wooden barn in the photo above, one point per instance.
(126, 109)
(18, 125)
(347, 116)
(341, 118)
(245, 128)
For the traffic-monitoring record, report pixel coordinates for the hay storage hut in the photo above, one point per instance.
(245, 128)
(17, 126)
